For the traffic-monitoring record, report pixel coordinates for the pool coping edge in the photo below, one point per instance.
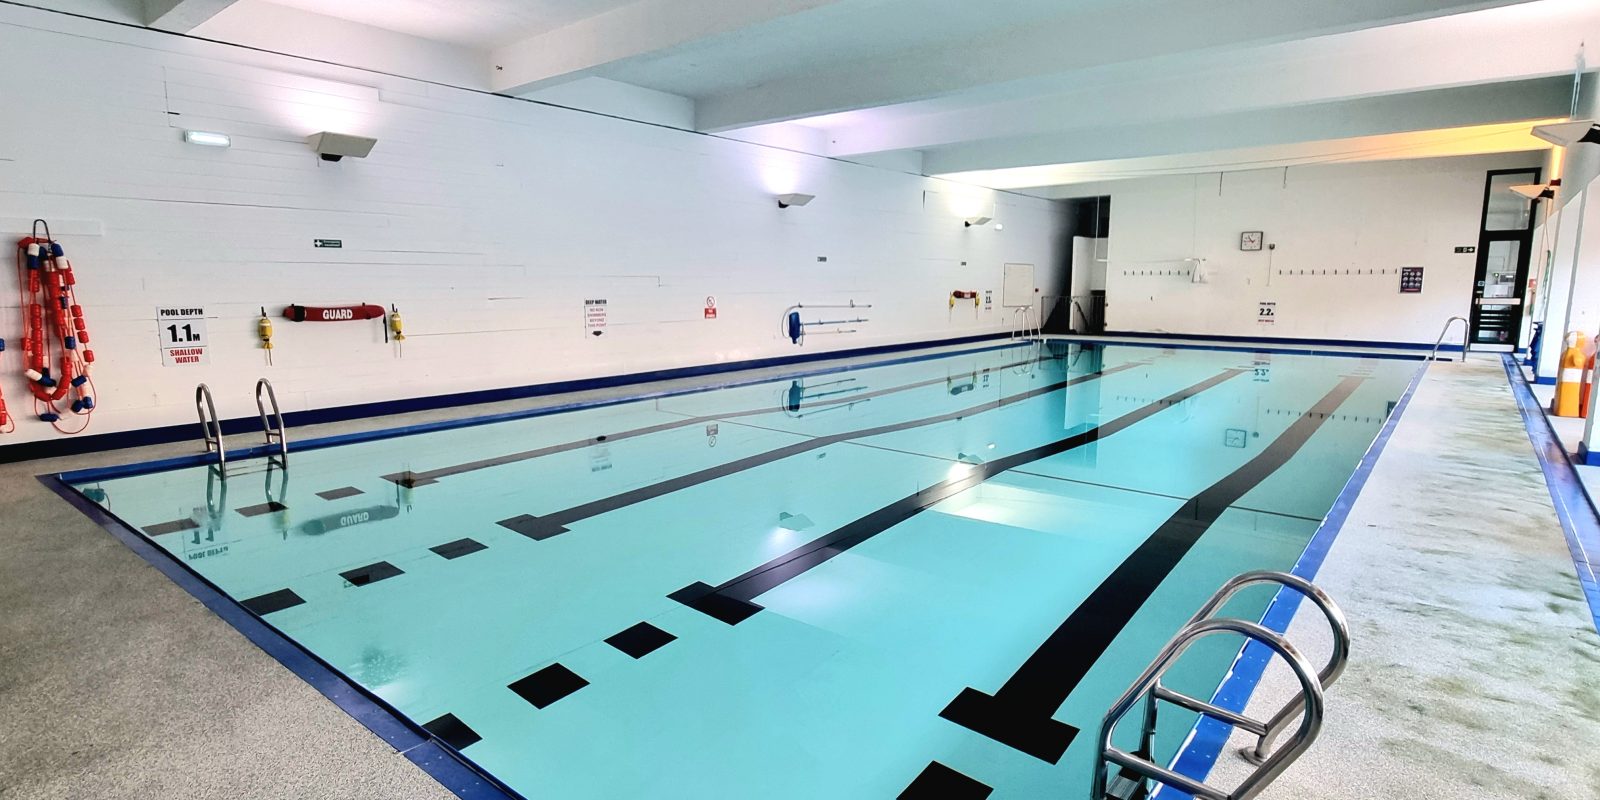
(446, 765)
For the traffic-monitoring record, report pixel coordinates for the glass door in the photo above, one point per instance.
(1501, 281)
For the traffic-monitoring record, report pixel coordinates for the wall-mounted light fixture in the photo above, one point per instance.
(207, 138)
(1566, 134)
(334, 146)
(794, 199)
(1537, 191)
(973, 222)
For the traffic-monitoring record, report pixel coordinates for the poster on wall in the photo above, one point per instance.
(594, 316)
(1267, 313)
(1411, 280)
(183, 336)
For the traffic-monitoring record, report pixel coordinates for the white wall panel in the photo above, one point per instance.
(1341, 233)
(488, 220)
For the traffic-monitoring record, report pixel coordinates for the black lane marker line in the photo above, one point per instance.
(411, 480)
(452, 731)
(340, 493)
(641, 640)
(371, 573)
(263, 604)
(263, 508)
(939, 782)
(553, 524)
(164, 528)
(548, 685)
(1020, 714)
(733, 601)
(459, 548)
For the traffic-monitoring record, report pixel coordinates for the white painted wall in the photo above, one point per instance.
(488, 220)
(1341, 233)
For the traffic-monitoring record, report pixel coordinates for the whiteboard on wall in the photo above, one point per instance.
(1017, 291)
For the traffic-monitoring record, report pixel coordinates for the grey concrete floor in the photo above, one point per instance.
(1475, 666)
(1476, 672)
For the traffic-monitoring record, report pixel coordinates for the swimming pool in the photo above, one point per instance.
(927, 578)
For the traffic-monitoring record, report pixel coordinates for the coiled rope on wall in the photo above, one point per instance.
(54, 333)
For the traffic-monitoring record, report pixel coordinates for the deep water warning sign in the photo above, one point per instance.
(183, 336)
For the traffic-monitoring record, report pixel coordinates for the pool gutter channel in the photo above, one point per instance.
(1201, 748)
(1580, 518)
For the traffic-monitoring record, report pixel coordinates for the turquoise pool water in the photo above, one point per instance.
(925, 578)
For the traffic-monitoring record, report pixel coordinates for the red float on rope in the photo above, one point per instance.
(45, 279)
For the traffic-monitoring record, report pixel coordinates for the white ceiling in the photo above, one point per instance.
(472, 23)
(1030, 94)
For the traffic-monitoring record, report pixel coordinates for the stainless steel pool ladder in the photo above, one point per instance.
(272, 425)
(210, 425)
(1025, 323)
(1466, 331)
(1134, 769)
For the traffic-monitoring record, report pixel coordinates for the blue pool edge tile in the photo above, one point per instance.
(449, 767)
(1208, 737)
(1580, 519)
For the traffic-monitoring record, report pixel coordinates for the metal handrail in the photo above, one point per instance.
(274, 429)
(1330, 671)
(1081, 313)
(1466, 333)
(1149, 685)
(210, 425)
(1309, 703)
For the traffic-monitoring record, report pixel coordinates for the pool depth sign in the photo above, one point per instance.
(183, 336)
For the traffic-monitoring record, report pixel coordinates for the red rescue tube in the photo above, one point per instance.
(331, 313)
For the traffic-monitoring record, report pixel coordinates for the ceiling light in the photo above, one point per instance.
(334, 146)
(794, 199)
(973, 222)
(1566, 134)
(207, 139)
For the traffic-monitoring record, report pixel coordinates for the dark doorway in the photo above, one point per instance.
(1504, 243)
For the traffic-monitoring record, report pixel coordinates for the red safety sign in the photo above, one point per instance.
(711, 307)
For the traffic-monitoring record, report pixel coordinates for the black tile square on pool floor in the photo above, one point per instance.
(340, 493)
(548, 685)
(452, 731)
(371, 573)
(272, 601)
(164, 528)
(640, 640)
(939, 782)
(459, 548)
(264, 508)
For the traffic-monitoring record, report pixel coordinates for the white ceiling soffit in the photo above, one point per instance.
(482, 24)
(1059, 180)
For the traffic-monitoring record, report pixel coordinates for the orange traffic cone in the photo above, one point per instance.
(1569, 382)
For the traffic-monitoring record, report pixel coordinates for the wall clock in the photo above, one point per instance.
(1251, 240)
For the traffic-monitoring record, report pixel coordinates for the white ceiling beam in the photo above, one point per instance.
(1104, 34)
(641, 29)
(181, 16)
(1373, 116)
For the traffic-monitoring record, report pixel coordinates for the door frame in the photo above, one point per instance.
(1524, 256)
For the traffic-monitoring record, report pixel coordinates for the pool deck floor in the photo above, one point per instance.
(1475, 674)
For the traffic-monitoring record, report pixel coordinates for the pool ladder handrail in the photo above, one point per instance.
(1466, 330)
(273, 427)
(1025, 323)
(210, 425)
(1308, 703)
